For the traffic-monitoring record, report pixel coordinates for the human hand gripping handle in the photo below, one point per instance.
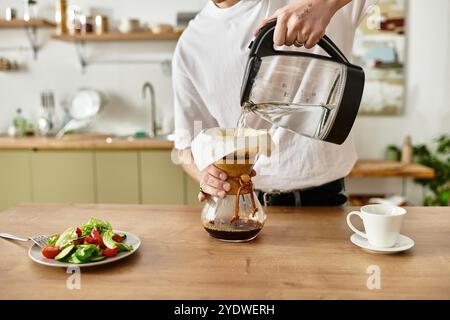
(213, 183)
(303, 22)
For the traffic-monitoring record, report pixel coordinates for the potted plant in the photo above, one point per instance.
(439, 160)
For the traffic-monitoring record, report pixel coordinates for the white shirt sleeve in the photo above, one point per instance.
(360, 10)
(190, 112)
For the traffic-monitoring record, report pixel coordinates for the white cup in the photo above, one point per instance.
(382, 224)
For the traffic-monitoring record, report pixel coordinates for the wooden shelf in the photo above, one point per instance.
(38, 23)
(384, 169)
(117, 36)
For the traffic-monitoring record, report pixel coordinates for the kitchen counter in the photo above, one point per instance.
(98, 141)
(83, 142)
(302, 253)
(388, 169)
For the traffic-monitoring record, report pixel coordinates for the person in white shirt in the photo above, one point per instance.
(208, 68)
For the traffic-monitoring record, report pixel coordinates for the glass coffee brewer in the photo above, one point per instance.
(239, 216)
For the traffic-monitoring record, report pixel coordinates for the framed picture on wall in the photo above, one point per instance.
(380, 46)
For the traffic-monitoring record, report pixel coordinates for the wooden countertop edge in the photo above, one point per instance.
(364, 168)
(82, 143)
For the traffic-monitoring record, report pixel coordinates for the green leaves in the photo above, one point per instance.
(67, 237)
(111, 244)
(440, 162)
(86, 251)
(98, 224)
(52, 240)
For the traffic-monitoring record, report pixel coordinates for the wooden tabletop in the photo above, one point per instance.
(86, 141)
(386, 168)
(300, 254)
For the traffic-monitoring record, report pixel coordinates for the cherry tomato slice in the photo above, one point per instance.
(117, 238)
(90, 240)
(110, 252)
(98, 238)
(51, 251)
(79, 233)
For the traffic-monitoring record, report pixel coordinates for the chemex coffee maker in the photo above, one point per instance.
(309, 94)
(239, 216)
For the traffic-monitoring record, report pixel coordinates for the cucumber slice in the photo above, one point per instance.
(97, 258)
(65, 252)
(73, 259)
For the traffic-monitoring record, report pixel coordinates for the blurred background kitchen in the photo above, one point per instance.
(101, 82)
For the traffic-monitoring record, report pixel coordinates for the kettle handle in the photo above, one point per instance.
(263, 44)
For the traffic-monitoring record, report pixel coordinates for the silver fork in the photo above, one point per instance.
(40, 240)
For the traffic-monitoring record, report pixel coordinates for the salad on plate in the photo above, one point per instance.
(93, 241)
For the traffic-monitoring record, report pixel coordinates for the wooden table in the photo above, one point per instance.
(300, 254)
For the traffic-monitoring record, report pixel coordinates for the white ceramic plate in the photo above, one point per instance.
(35, 254)
(403, 243)
(85, 104)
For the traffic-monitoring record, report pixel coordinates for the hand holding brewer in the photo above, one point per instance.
(213, 183)
(303, 22)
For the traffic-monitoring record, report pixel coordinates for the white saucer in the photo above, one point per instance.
(403, 243)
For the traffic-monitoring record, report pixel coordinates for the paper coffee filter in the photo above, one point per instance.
(213, 144)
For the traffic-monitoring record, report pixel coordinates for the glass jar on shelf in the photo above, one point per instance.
(30, 10)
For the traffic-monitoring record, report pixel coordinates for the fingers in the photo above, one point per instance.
(293, 26)
(216, 172)
(202, 196)
(301, 22)
(313, 40)
(279, 37)
(216, 183)
(211, 185)
(213, 182)
(263, 23)
(213, 191)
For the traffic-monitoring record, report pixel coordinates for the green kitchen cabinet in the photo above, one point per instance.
(15, 178)
(192, 189)
(117, 176)
(162, 181)
(63, 176)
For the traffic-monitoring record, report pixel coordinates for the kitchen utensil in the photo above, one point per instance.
(403, 243)
(84, 107)
(40, 240)
(35, 254)
(382, 224)
(46, 122)
(239, 216)
(309, 94)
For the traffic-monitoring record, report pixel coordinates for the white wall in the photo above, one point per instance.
(57, 67)
(427, 112)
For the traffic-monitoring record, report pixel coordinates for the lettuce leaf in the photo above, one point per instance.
(67, 237)
(86, 251)
(100, 225)
(111, 244)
